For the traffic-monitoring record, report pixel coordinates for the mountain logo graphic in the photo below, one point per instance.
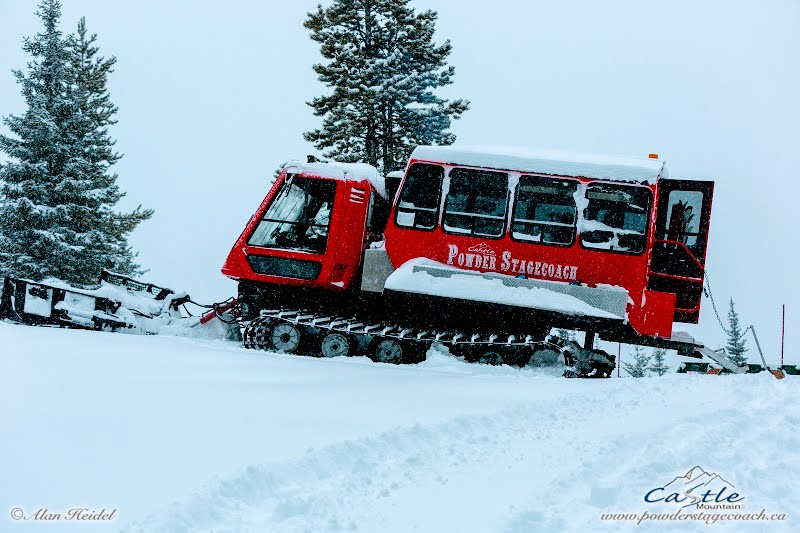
(696, 488)
(482, 248)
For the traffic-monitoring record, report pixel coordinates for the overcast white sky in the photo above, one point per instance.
(212, 97)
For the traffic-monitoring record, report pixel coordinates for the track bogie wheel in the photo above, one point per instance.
(396, 351)
(285, 337)
(336, 344)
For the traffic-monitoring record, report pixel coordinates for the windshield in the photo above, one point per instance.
(298, 217)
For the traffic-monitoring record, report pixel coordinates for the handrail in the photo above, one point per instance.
(688, 251)
(675, 276)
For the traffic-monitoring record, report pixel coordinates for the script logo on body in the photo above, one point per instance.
(483, 257)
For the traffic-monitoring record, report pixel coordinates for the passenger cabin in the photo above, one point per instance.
(589, 221)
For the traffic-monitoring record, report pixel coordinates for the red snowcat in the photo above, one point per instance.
(482, 250)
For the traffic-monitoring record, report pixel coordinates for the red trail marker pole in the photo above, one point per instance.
(783, 329)
(619, 358)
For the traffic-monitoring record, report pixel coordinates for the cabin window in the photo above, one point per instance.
(684, 214)
(545, 211)
(299, 216)
(418, 205)
(616, 218)
(476, 203)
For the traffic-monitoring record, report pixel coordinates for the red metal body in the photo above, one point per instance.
(507, 256)
(664, 281)
(347, 236)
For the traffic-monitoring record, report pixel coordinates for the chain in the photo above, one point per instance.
(710, 296)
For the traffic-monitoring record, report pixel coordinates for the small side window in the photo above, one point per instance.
(616, 218)
(418, 205)
(684, 215)
(545, 211)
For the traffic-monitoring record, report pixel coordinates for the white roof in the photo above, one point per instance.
(340, 171)
(553, 162)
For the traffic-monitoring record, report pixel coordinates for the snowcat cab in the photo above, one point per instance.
(308, 236)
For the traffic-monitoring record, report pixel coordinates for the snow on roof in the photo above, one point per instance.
(341, 171)
(541, 161)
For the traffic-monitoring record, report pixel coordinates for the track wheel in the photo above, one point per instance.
(336, 345)
(388, 350)
(488, 355)
(285, 337)
(516, 355)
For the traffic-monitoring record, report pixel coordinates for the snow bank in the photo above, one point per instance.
(554, 162)
(187, 435)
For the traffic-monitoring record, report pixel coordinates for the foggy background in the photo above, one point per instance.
(212, 96)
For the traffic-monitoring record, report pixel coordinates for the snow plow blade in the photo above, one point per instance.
(120, 303)
(42, 304)
(132, 285)
(722, 359)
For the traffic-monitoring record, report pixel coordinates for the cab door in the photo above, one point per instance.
(679, 252)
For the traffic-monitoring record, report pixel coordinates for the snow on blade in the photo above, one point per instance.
(541, 161)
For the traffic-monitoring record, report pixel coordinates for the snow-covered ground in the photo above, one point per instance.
(190, 435)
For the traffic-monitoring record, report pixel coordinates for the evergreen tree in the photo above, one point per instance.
(106, 244)
(641, 360)
(382, 67)
(566, 334)
(56, 195)
(736, 342)
(659, 366)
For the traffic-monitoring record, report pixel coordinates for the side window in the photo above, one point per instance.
(418, 205)
(476, 203)
(683, 217)
(616, 218)
(378, 213)
(545, 211)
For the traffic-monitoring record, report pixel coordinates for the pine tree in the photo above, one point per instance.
(659, 366)
(382, 67)
(736, 342)
(56, 195)
(565, 334)
(106, 245)
(641, 360)
(33, 236)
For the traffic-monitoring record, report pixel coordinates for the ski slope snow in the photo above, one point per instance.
(185, 434)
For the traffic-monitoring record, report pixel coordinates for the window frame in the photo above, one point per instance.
(272, 201)
(399, 194)
(473, 215)
(514, 209)
(648, 217)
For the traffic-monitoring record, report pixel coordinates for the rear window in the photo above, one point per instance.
(476, 203)
(616, 217)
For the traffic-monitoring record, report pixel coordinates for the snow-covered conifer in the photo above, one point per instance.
(641, 361)
(382, 67)
(56, 195)
(659, 366)
(736, 342)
